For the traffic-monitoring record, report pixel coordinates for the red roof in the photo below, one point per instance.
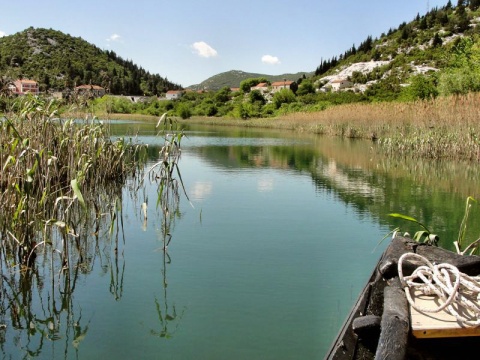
(281, 83)
(89, 87)
(26, 81)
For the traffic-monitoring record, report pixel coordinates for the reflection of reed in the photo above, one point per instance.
(167, 315)
(37, 306)
(166, 174)
(33, 311)
(39, 277)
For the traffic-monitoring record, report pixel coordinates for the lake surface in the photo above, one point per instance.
(265, 261)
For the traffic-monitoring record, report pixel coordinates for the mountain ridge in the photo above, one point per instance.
(57, 61)
(232, 79)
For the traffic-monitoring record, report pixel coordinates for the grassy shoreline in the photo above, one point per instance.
(442, 128)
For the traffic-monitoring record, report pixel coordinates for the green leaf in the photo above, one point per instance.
(409, 218)
(78, 193)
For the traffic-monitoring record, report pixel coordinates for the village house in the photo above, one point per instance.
(340, 84)
(25, 86)
(285, 84)
(261, 87)
(92, 90)
(174, 94)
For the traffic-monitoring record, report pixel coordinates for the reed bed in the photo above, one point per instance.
(442, 128)
(53, 173)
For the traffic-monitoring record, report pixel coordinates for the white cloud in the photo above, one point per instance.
(202, 49)
(271, 60)
(2, 33)
(114, 37)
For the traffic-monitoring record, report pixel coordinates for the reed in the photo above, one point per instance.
(52, 172)
(445, 127)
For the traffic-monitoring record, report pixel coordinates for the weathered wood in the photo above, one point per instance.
(467, 264)
(383, 296)
(395, 325)
(367, 326)
(344, 347)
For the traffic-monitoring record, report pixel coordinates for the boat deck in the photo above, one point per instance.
(379, 325)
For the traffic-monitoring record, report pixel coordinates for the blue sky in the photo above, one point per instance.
(187, 41)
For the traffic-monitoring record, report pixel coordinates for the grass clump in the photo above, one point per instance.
(52, 171)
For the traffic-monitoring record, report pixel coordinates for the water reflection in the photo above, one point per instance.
(37, 302)
(285, 245)
(356, 172)
(200, 190)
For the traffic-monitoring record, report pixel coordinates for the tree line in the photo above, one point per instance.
(59, 61)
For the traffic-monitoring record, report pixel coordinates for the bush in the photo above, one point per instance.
(284, 96)
(183, 110)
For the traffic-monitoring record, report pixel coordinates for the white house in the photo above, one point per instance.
(286, 84)
(262, 87)
(340, 84)
(174, 94)
(25, 86)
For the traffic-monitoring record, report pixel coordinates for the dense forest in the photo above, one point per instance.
(59, 61)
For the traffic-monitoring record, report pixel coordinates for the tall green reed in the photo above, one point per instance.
(51, 171)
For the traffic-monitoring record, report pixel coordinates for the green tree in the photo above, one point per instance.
(284, 96)
(256, 96)
(223, 95)
(246, 84)
(421, 87)
(183, 110)
(306, 87)
(437, 41)
(358, 78)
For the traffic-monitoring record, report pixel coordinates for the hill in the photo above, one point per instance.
(437, 46)
(432, 46)
(58, 61)
(233, 78)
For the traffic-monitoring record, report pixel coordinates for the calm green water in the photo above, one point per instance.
(265, 263)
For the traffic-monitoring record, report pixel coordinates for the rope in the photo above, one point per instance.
(458, 293)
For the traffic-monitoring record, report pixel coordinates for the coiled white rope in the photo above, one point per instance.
(458, 293)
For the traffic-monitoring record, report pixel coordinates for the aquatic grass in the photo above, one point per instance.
(51, 169)
(61, 189)
(427, 236)
(442, 128)
(166, 174)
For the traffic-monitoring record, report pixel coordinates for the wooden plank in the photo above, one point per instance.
(437, 325)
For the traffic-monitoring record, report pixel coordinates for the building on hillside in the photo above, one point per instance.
(234, 89)
(25, 86)
(285, 84)
(340, 84)
(174, 94)
(262, 87)
(90, 90)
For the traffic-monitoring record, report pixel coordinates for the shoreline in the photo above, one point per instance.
(442, 128)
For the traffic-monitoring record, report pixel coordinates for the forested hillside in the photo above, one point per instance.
(433, 54)
(233, 78)
(58, 61)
